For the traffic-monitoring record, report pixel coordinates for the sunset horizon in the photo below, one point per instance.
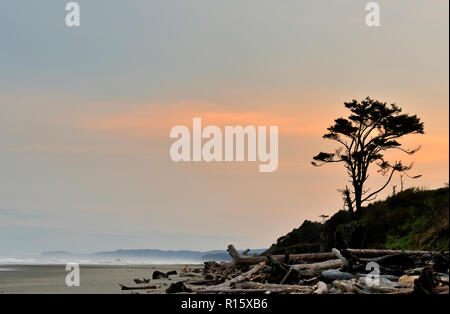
(196, 125)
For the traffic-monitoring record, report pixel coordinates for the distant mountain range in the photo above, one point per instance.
(152, 255)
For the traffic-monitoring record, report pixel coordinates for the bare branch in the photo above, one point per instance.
(382, 188)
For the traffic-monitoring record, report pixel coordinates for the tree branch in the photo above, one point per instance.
(380, 189)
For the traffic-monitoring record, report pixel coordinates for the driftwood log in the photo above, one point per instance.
(123, 287)
(244, 276)
(318, 267)
(246, 291)
(256, 287)
(272, 287)
(360, 287)
(368, 253)
(321, 288)
(330, 275)
(292, 258)
(240, 259)
(335, 272)
(338, 254)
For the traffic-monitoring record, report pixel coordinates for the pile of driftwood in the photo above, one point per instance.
(346, 271)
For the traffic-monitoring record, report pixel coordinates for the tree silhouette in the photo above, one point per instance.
(371, 129)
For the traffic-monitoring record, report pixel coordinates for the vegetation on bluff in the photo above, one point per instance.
(414, 219)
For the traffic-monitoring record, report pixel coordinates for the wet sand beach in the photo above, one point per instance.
(30, 279)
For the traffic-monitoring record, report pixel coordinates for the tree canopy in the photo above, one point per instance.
(372, 128)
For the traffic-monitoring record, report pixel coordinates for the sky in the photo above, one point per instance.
(86, 113)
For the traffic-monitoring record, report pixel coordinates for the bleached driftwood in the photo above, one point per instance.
(320, 288)
(338, 254)
(316, 257)
(272, 286)
(330, 275)
(256, 287)
(246, 291)
(292, 258)
(241, 277)
(318, 267)
(347, 286)
(360, 287)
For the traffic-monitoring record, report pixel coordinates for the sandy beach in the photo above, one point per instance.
(29, 279)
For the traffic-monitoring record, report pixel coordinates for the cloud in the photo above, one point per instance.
(158, 120)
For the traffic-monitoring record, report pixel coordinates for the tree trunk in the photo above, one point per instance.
(358, 198)
(348, 201)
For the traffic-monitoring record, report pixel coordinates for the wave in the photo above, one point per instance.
(81, 261)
